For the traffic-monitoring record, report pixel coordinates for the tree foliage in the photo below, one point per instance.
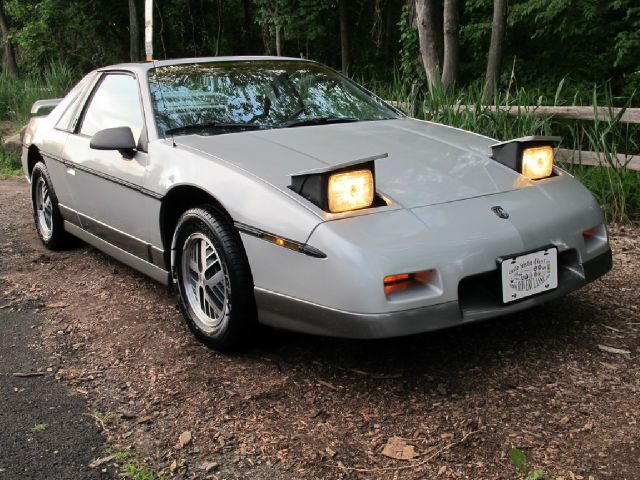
(546, 40)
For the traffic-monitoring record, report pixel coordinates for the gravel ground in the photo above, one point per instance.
(561, 381)
(46, 432)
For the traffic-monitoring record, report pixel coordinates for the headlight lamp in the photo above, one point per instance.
(537, 162)
(350, 190)
(340, 188)
(532, 157)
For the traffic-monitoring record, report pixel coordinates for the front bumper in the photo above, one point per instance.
(477, 300)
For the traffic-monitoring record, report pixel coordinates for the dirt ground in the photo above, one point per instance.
(561, 382)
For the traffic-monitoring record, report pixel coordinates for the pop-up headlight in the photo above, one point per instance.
(340, 188)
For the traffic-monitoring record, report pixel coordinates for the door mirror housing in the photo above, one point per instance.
(119, 138)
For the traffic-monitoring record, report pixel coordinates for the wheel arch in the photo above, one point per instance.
(178, 200)
(33, 157)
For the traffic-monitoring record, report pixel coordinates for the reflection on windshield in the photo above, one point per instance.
(205, 97)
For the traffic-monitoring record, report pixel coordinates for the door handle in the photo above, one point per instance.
(71, 171)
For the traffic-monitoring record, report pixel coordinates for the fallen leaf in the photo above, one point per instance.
(618, 351)
(58, 305)
(28, 374)
(327, 384)
(185, 439)
(102, 461)
(208, 466)
(610, 366)
(397, 448)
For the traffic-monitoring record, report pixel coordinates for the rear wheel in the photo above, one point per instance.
(214, 279)
(46, 213)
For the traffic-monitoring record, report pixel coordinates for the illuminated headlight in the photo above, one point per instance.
(537, 162)
(350, 190)
(530, 156)
(345, 189)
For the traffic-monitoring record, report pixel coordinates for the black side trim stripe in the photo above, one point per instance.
(139, 248)
(280, 241)
(110, 178)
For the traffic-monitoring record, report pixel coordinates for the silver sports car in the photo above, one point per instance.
(278, 191)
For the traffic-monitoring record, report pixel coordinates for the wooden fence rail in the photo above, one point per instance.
(630, 115)
(585, 157)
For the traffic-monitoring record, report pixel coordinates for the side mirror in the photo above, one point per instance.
(119, 138)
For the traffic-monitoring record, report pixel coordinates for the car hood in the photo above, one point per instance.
(427, 163)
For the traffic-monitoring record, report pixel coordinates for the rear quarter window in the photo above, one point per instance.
(73, 102)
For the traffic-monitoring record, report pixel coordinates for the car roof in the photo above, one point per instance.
(144, 66)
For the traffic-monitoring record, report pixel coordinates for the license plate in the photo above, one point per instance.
(529, 274)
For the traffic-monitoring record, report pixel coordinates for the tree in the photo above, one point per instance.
(496, 48)
(8, 57)
(451, 30)
(278, 25)
(344, 34)
(134, 35)
(425, 18)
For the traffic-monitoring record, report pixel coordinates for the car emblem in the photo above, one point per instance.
(500, 212)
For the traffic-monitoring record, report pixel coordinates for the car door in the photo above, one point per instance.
(53, 144)
(107, 186)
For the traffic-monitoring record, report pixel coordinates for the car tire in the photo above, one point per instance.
(214, 280)
(46, 214)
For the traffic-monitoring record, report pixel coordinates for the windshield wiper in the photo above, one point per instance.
(207, 126)
(320, 121)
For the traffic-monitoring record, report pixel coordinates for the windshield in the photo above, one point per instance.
(219, 97)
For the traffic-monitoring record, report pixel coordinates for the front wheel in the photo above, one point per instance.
(214, 279)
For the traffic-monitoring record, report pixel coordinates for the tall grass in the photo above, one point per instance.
(616, 187)
(9, 162)
(18, 94)
(16, 97)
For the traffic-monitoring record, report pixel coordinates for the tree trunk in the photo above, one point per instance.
(451, 46)
(278, 41)
(219, 33)
(247, 30)
(426, 35)
(8, 58)
(279, 51)
(161, 31)
(343, 13)
(134, 34)
(495, 49)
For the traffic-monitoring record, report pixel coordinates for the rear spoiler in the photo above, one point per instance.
(41, 105)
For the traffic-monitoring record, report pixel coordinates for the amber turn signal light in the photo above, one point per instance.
(402, 277)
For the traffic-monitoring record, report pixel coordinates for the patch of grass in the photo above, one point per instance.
(519, 460)
(616, 189)
(104, 417)
(121, 456)
(18, 94)
(132, 468)
(135, 470)
(39, 427)
(10, 163)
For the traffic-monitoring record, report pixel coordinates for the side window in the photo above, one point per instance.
(73, 101)
(115, 104)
